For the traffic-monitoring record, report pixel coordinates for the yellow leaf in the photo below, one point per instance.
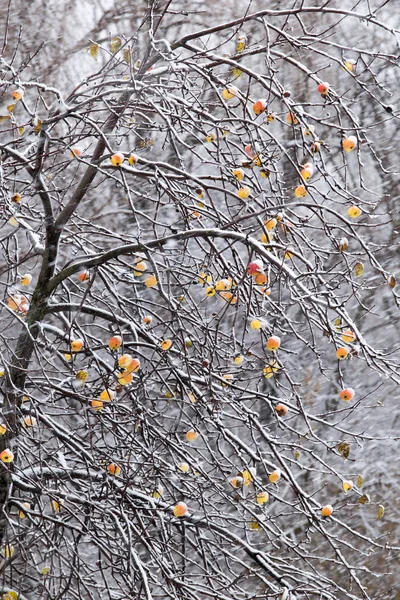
(11, 107)
(116, 44)
(94, 50)
(380, 513)
(21, 130)
(364, 499)
(358, 269)
(254, 525)
(37, 126)
(4, 118)
(127, 55)
(359, 481)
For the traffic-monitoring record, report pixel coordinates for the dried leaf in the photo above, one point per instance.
(364, 499)
(4, 118)
(380, 513)
(358, 269)
(359, 481)
(254, 525)
(392, 281)
(94, 50)
(37, 126)
(127, 55)
(344, 449)
(116, 44)
(11, 107)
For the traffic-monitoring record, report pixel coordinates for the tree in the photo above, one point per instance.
(198, 287)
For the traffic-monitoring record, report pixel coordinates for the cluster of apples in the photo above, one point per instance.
(223, 286)
(18, 303)
(348, 337)
(256, 270)
(306, 172)
(140, 267)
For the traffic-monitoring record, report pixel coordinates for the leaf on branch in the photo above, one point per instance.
(380, 513)
(127, 55)
(116, 44)
(37, 126)
(364, 499)
(11, 107)
(359, 481)
(344, 449)
(94, 50)
(4, 118)
(358, 269)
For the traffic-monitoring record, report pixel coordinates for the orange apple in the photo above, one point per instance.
(117, 159)
(107, 395)
(281, 410)
(350, 143)
(292, 119)
(166, 345)
(259, 106)
(180, 509)
(7, 456)
(323, 88)
(270, 224)
(115, 342)
(133, 159)
(17, 94)
(238, 174)
(275, 476)
(236, 482)
(84, 276)
(125, 378)
(326, 510)
(348, 336)
(26, 279)
(342, 353)
(124, 361)
(300, 191)
(97, 404)
(222, 285)
(244, 192)
(29, 421)
(347, 485)
(261, 279)
(273, 343)
(230, 92)
(262, 497)
(354, 212)
(76, 345)
(347, 394)
(76, 151)
(114, 469)
(150, 281)
(191, 435)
